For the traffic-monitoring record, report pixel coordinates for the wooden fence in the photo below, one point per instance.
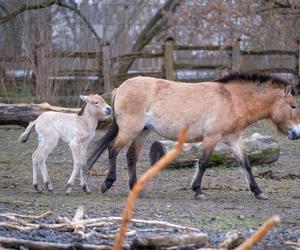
(66, 72)
(238, 59)
(171, 61)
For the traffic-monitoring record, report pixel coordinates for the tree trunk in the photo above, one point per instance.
(22, 114)
(260, 150)
(153, 27)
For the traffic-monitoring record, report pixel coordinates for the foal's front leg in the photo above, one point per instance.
(79, 158)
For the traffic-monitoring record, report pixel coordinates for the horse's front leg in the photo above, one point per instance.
(238, 149)
(209, 143)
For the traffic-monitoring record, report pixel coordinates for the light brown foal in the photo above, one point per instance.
(217, 111)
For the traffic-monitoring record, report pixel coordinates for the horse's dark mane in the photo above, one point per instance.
(80, 112)
(254, 77)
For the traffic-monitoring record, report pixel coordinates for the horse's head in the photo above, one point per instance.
(97, 105)
(285, 114)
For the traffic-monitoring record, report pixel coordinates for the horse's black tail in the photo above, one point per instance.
(103, 143)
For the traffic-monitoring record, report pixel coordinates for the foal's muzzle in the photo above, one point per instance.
(108, 111)
(294, 133)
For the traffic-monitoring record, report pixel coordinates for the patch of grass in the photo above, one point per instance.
(225, 222)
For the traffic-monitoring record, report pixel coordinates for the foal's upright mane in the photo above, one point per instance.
(254, 77)
(80, 112)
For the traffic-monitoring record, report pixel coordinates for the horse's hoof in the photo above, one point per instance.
(86, 189)
(200, 197)
(262, 196)
(37, 188)
(104, 188)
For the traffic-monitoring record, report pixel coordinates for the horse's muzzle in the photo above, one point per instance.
(294, 133)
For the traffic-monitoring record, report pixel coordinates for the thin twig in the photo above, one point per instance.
(140, 184)
(30, 217)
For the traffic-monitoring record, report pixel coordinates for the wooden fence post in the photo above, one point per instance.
(169, 60)
(298, 66)
(236, 54)
(106, 68)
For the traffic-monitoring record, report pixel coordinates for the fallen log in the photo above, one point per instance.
(39, 245)
(260, 150)
(21, 114)
(187, 241)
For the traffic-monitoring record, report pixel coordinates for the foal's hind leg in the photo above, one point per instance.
(35, 168)
(209, 143)
(133, 154)
(237, 148)
(46, 145)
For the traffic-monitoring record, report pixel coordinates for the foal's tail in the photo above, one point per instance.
(24, 137)
(104, 142)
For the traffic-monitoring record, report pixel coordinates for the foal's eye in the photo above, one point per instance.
(293, 106)
(96, 103)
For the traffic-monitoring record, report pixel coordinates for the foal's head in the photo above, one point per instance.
(285, 113)
(96, 106)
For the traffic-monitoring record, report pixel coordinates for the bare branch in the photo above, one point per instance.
(26, 7)
(153, 27)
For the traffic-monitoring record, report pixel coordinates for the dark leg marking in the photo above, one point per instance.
(131, 162)
(196, 186)
(111, 177)
(245, 163)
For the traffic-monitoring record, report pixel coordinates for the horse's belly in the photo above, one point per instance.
(171, 129)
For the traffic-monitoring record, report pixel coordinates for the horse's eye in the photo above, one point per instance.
(293, 106)
(96, 103)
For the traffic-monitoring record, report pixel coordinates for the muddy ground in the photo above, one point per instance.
(169, 197)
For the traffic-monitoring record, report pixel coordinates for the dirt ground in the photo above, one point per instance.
(168, 197)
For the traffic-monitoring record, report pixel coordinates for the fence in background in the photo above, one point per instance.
(233, 58)
(71, 73)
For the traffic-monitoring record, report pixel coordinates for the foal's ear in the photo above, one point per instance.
(84, 98)
(288, 90)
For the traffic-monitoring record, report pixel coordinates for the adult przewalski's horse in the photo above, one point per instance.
(217, 111)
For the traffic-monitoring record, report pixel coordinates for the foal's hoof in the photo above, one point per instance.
(104, 188)
(200, 197)
(86, 189)
(37, 188)
(262, 196)
(49, 187)
(68, 189)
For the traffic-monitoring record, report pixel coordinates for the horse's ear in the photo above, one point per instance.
(84, 98)
(288, 90)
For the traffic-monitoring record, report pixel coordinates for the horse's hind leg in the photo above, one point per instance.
(123, 138)
(237, 148)
(133, 153)
(209, 143)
